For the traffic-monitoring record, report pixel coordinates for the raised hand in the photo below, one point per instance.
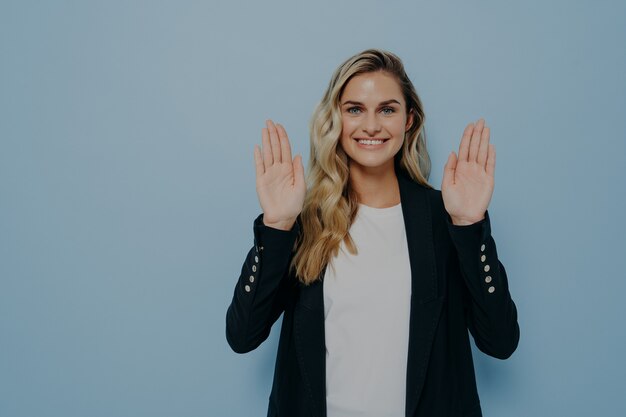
(280, 183)
(468, 181)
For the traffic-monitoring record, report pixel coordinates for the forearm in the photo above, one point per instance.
(261, 289)
(492, 315)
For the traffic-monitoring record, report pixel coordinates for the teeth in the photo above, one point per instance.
(370, 142)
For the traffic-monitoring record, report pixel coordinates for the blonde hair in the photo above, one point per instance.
(331, 204)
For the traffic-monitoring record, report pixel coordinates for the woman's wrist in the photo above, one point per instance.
(285, 225)
(458, 221)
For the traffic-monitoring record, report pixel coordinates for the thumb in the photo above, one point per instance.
(298, 171)
(449, 170)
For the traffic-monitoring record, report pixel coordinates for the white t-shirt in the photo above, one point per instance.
(366, 308)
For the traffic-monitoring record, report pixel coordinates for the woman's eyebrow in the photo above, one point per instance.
(382, 103)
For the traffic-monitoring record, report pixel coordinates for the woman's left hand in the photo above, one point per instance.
(468, 180)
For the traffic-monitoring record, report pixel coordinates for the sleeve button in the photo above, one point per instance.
(251, 278)
(482, 247)
(491, 289)
(486, 268)
(253, 268)
(247, 288)
(256, 259)
(488, 279)
(482, 258)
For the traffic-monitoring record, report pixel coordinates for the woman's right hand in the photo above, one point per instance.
(280, 183)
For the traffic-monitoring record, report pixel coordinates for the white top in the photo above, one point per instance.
(366, 308)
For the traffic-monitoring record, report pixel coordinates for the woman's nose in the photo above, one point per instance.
(371, 125)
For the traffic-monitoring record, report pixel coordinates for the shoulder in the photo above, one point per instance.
(436, 198)
(437, 208)
(433, 195)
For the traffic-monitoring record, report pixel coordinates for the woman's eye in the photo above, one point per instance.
(388, 110)
(354, 110)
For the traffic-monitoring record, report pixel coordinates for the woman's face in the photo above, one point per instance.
(374, 121)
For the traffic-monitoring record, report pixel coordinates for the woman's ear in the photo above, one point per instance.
(409, 121)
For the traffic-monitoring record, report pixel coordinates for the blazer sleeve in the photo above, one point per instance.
(262, 287)
(490, 312)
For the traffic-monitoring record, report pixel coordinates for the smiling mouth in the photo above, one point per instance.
(372, 141)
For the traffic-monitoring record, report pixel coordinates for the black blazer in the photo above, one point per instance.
(458, 283)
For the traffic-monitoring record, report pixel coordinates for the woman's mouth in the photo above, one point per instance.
(371, 143)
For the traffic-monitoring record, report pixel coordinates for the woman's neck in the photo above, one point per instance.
(375, 187)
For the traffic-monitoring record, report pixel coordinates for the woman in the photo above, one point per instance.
(378, 274)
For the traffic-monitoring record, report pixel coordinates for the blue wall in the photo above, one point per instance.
(127, 189)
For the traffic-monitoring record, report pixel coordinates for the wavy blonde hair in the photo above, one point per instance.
(331, 204)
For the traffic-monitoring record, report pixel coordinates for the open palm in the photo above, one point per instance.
(468, 181)
(280, 181)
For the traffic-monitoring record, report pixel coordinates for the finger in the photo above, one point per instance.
(475, 143)
(484, 147)
(465, 142)
(298, 171)
(274, 141)
(268, 159)
(285, 147)
(258, 161)
(449, 170)
(491, 160)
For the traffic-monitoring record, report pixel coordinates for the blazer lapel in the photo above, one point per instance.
(425, 302)
(426, 306)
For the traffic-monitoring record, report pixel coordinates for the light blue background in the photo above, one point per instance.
(127, 189)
